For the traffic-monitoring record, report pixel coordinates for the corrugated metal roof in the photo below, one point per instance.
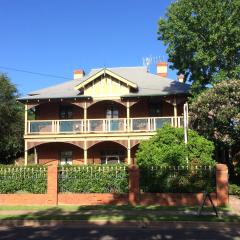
(148, 85)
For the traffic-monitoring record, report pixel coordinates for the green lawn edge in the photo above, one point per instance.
(107, 207)
(122, 218)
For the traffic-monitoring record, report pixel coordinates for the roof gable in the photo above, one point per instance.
(105, 71)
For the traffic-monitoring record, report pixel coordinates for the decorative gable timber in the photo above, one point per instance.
(104, 72)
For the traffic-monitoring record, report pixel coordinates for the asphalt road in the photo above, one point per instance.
(164, 231)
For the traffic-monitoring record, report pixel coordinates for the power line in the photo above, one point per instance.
(54, 76)
(35, 73)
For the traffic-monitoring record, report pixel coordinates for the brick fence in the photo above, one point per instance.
(53, 198)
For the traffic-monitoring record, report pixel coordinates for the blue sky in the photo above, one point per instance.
(59, 36)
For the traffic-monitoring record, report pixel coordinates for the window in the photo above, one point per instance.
(112, 112)
(112, 157)
(66, 157)
(155, 109)
(66, 112)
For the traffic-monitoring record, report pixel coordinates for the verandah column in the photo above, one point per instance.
(175, 112)
(25, 153)
(129, 152)
(85, 152)
(25, 132)
(85, 116)
(128, 116)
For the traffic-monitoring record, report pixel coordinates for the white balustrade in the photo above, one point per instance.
(100, 125)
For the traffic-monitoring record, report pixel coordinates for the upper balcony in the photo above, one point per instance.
(112, 125)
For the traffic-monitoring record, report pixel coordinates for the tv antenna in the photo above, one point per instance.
(148, 61)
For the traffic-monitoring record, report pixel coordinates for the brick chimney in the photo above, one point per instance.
(162, 68)
(181, 78)
(78, 74)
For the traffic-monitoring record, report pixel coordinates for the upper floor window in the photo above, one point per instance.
(155, 109)
(112, 112)
(66, 112)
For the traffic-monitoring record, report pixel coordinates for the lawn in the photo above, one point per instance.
(114, 213)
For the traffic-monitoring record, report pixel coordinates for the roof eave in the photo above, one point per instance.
(24, 100)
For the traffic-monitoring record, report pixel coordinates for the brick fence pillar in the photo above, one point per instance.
(134, 177)
(222, 184)
(52, 184)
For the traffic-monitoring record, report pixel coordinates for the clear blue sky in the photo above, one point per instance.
(58, 36)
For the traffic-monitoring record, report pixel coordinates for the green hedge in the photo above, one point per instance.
(234, 189)
(180, 179)
(17, 179)
(93, 179)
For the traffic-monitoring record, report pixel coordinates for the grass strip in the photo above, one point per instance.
(109, 207)
(122, 218)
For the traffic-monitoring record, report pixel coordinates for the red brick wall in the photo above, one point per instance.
(174, 199)
(50, 153)
(98, 110)
(94, 152)
(141, 109)
(134, 197)
(50, 111)
(92, 198)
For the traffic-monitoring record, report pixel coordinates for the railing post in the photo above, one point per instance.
(52, 184)
(222, 184)
(53, 126)
(134, 189)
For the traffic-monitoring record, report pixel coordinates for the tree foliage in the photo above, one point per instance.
(203, 40)
(11, 122)
(215, 113)
(167, 148)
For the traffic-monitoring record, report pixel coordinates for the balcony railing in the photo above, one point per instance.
(101, 125)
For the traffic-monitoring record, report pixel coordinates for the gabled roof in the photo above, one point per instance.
(103, 72)
(145, 83)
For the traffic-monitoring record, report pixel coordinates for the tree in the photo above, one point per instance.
(11, 122)
(167, 148)
(203, 40)
(215, 114)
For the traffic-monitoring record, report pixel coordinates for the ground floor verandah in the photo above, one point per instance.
(88, 152)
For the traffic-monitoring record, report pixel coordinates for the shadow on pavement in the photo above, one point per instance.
(109, 229)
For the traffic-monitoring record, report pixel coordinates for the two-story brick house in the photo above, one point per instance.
(101, 117)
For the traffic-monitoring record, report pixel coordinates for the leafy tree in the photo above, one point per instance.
(215, 113)
(203, 40)
(11, 122)
(167, 148)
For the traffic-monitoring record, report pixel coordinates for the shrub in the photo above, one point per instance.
(167, 148)
(93, 179)
(177, 179)
(32, 179)
(178, 167)
(234, 189)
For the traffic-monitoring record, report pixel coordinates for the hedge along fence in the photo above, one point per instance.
(17, 179)
(180, 179)
(93, 179)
